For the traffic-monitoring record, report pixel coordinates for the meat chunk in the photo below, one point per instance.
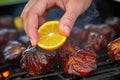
(6, 35)
(95, 41)
(13, 50)
(98, 37)
(70, 47)
(79, 34)
(24, 40)
(3, 37)
(114, 49)
(114, 23)
(36, 61)
(5, 21)
(77, 61)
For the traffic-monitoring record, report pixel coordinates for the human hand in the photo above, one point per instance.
(35, 12)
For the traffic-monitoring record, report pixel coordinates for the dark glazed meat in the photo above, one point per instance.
(77, 61)
(95, 41)
(69, 48)
(114, 23)
(114, 49)
(98, 37)
(13, 50)
(24, 40)
(79, 34)
(35, 61)
(5, 21)
(6, 35)
(3, 37)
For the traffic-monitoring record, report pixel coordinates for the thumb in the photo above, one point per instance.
(67, 21)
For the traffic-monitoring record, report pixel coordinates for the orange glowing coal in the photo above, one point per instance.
(5, 74)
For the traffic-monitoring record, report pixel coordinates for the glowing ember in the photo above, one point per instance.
(6, 74)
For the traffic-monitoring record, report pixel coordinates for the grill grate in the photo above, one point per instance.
(106, 70)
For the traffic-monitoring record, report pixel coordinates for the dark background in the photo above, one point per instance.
(13, 10)
(107, 8)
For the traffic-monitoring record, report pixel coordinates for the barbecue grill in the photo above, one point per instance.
(106, 70)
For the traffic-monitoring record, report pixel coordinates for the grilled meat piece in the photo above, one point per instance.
(6, 35)
(79, 34)
(3, 37)
(36, 61)
(12, 33)
(24, 40)
(102, 29)
(70, 47)
(95, 41)
(98, 37)
(114, 23)
(114, 49)
(13, 50)
(5, 21)
(77, 61)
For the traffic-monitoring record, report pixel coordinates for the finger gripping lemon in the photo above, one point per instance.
(49, 37)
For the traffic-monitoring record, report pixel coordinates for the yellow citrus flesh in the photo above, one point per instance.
(49, 37)
(18, 23)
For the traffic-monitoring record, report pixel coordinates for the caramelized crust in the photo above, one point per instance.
(36, 61)
(77, 61)
(114, 49)
(13, 51)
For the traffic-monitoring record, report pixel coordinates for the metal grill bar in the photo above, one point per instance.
(43, 76)
(104, 75)
(16, 75)
(105, 69)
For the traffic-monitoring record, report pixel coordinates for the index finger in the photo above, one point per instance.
(33, 14)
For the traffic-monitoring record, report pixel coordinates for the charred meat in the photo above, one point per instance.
(114, 49)
(98, 37)
(114, 23)
(13, 50)
(77, 61)
(36, 61)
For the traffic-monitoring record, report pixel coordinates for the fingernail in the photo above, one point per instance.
(66, 30)
(32, 42)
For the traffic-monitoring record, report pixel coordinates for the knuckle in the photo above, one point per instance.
(31, 12)
(69, 18)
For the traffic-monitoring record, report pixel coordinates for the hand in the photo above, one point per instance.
(35, 11)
